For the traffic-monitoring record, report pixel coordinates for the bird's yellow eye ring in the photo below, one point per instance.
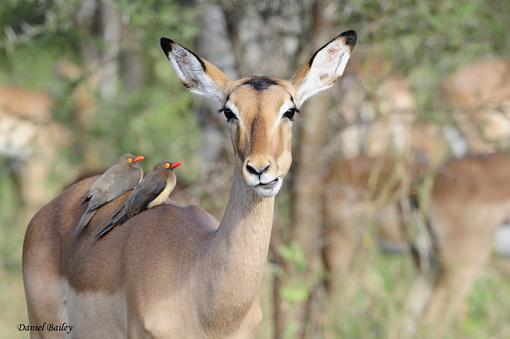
(130, 159)
(167, 165)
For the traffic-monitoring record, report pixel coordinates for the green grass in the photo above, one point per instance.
(12, 300)
(375, 294)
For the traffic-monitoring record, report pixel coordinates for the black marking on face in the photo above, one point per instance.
(292, 100)
(260, 83)
(226, 100)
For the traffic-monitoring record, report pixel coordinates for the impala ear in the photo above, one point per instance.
(325, 67)
(196, 74)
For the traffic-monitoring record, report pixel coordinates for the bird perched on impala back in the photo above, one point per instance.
(123, 176)
(152, 191)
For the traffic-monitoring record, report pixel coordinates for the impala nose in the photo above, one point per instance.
(252, 169)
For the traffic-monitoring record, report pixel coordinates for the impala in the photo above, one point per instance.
(28, 138)
(469, 201)
(175, 272)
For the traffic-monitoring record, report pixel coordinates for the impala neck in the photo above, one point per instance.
(237, 255)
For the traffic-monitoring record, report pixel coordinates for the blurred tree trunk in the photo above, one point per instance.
(100, 26)
(86, 19)
(214, 43)
(99, 22)
(134, 60)
(306, 202)
(86, 22)
(111, 37)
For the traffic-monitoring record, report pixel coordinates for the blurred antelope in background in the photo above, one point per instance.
(470, 197)
(30, 139)
(384, 159)
(467, 203)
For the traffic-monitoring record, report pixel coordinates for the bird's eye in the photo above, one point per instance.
(289, 114)
(229, 115)
(130, 159)
(167, 165)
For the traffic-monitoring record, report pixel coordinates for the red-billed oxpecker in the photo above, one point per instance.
(152, 191)
(123, 176)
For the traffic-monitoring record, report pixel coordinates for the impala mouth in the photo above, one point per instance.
(268, 189)
(269, 184)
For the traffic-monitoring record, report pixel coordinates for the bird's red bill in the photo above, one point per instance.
(176, 164)
(139, 158)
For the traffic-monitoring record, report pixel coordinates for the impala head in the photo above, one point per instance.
(260, 110)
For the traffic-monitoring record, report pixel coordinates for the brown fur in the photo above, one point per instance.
(84, 263)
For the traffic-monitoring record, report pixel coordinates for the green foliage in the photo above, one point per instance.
(48, 21)
(10, 236)
(294, 255)
(157, 122)
(373, 296)
(428, 39)
(295, 292)
(154, 18)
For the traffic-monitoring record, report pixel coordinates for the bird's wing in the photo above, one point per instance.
(113, 183)
(105, 178)
(122, 184)
(120, 216)
(84, 220)
(146, 191)
(143, 193)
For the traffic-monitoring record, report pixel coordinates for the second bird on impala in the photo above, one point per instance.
(118, 179)
(152, 191)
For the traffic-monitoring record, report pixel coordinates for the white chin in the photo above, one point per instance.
(267, 191)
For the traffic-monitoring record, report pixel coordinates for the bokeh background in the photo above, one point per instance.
(83, 81)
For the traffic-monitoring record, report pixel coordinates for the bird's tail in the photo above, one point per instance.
(118, 218)
(105, 230)
(117, 213)
(84, 220)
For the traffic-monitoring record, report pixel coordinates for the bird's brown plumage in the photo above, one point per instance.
(152, 191)
(118, 179)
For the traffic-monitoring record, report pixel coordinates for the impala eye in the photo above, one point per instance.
(290, 113)
(229, 115)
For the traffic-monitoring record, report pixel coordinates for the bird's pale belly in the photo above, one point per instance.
(163, 196)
